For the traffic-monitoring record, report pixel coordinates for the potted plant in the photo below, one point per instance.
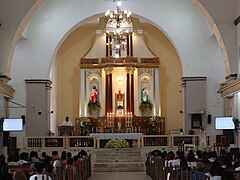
(154, 125)
(94, 107)
(86, 125)
(146, 107)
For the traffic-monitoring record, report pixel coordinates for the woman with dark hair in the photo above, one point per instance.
(215, 171)
(19, 175)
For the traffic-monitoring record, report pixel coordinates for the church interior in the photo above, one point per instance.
(159, 74)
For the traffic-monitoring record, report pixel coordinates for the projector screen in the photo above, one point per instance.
(12, 125)
(224, 123)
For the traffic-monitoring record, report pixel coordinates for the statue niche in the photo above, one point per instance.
(119, 101)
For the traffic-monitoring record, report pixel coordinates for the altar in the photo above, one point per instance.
(131, 137)
(133, 124)
(119, 92)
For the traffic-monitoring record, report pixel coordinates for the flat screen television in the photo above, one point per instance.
(222, 123)
(12, 125)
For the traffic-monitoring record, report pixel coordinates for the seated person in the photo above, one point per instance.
(199, 175)
(67, 122)
(39, 172)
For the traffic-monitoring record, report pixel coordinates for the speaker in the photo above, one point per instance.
(209, 118)
(5, 138)
(23, 119)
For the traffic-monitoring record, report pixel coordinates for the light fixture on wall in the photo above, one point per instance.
(118, 26)
(120, 78)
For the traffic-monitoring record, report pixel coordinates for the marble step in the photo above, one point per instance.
(119, 167)
(137, 159)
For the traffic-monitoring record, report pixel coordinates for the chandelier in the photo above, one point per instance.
(118, 26)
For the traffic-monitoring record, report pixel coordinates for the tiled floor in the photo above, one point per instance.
(119, 176)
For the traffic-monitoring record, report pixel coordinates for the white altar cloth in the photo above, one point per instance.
(117, 135)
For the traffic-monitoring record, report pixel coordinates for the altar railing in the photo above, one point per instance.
(80, 142)
(61, 142)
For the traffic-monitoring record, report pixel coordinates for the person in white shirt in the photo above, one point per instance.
(67, 122)
(39, 172)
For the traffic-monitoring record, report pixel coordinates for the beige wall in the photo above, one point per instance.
(73, 48)
(77, 45)
(170, 76)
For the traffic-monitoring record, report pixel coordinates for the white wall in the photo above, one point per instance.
(224, 22)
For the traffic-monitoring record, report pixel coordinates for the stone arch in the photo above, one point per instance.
(27, 18)
(216, 32)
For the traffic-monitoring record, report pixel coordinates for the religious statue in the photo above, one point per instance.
(202, 138)
(145, 94)
(94, 94)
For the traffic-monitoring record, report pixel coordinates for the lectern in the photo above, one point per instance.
(65, 130)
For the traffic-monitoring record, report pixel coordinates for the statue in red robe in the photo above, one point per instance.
(94, 94)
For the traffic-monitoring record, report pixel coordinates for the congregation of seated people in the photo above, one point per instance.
(203, 165)
(30, 167)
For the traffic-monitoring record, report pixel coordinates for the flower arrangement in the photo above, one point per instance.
(207, 149)
(117, 143)
(145, 106)
(94, 106)
(86, 124)
(153, 125)
(188, 149)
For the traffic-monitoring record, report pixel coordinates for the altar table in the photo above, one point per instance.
(102, 136)
(117, 135)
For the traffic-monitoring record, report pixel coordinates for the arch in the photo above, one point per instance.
(27, 18)
(216, 32)
(153, 19)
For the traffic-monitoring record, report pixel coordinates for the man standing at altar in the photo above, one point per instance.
(94, 93)
(67, 122)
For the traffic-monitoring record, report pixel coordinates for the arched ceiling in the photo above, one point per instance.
(14, 21)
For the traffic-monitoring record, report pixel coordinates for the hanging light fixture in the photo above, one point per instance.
(118, 25)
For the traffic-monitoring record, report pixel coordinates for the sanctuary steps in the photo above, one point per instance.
(118, 160)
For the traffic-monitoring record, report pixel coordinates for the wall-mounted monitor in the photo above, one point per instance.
(222, 123)
(12, 125)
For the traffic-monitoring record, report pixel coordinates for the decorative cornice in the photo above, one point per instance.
(5, 89)
(91, 63)
(150, 60)
(88, 61)
(108, 70)
(185, 79)
(194, 78)
(94, 71)
(4, 78)
(145, 70)
(47, 83)
(127, 59)
(229, 87)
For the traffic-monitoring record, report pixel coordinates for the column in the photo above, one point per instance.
(156, 98)
(108, 95)
(110, 42)
(127, 45)
(107, 45)
(131, 45)
(6, 93)
(38, 107)
(132, 90)
(83, 98)
(128, 90)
